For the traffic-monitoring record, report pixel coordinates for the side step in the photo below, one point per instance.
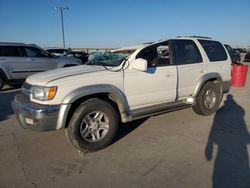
(161, 108)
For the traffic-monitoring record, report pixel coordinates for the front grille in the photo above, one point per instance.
(27, 89)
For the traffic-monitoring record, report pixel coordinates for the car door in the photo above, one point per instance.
(13, 61)
(189, 63)
(38, 60)
(156, 85)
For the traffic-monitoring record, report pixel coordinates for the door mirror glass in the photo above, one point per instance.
(140, 64)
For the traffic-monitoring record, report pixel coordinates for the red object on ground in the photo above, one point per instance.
(239, 75)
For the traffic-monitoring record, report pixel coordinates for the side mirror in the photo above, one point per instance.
(140, 64)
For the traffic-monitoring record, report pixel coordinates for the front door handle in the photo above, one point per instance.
(169, 75)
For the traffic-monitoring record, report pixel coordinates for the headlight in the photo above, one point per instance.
(44, 93)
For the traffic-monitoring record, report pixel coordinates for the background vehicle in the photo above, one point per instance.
(247, 57)
(241, 50)
(90, 101)
(58, 51)
(18, 61)
(79, 55)
(234, 54)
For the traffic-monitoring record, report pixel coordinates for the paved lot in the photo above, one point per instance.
(178, 149)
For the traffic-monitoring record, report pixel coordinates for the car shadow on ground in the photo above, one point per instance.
(126, 128)
(230, 134)
(6, 97)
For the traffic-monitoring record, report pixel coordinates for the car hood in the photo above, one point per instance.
(45, 77)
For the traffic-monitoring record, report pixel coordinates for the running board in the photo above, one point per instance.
(159, 109)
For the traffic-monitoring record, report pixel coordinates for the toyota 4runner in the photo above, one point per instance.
(89, 101)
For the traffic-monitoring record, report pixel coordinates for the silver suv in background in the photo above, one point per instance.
(19, 60)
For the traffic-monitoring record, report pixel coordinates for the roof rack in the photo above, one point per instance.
(148, 43)
(195, 36)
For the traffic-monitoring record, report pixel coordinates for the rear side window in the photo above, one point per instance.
(10, 51)
(186, 52)
(214, 50)
(34, 52)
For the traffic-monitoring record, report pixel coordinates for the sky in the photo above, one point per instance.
(118, 23)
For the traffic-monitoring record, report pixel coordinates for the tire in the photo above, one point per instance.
(1, 82)
(208, 99)
(93, 125)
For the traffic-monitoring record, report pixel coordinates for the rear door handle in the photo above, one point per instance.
(3, 59)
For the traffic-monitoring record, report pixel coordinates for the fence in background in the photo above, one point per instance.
(89, 50)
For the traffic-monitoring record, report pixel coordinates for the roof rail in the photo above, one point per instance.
(148, 43)
(195, 36)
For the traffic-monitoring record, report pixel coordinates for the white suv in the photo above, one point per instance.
(90, 101)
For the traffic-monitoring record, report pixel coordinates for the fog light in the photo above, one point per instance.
(29, 121)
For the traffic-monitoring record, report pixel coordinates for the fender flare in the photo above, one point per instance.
(114, 93)
(203, 79)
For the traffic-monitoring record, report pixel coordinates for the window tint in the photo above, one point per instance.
(214, 50)
(186, 52)
(11, 51)
(156, 55)
(34, 52)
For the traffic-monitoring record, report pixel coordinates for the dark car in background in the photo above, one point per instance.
(58, 51)
(79, 55)
(234, 54)
(241, 50)
(247, 57)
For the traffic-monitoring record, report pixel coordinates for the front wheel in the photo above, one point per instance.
(93, 125)
(208, 99)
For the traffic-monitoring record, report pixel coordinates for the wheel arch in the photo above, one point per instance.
(105, 92)
(213, 77)
(4, 75)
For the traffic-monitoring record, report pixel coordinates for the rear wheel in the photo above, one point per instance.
(93, 125)
(208, 99)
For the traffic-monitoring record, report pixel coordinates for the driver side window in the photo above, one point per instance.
(156, 55)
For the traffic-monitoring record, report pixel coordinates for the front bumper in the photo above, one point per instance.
(35, 116)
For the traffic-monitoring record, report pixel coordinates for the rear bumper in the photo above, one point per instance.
(35, 116)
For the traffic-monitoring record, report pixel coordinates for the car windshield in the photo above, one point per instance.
(106, 58)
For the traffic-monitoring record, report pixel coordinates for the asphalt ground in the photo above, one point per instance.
(177, 149)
